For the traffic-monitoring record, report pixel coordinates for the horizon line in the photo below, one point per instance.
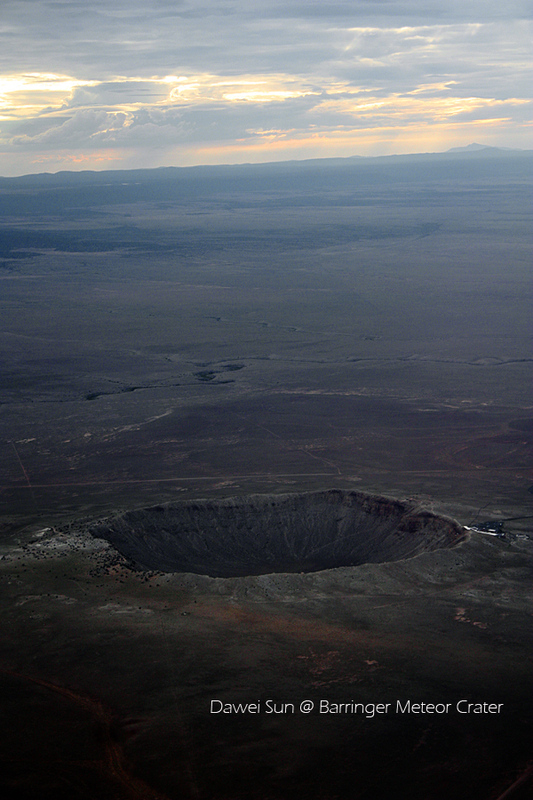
(469, 149)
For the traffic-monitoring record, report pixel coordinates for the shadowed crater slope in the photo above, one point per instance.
(262, 534)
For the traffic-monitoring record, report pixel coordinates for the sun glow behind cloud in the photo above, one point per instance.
(48, 93)
(164, 113)
(32, 93)
(406, 108)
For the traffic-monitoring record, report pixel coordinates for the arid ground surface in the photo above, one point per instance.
(174, 336)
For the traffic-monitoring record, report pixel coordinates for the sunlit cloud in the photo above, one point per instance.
(31, 93)
(378, 140)
(75, 159)
(257, 89)
(46, 94)
(179, 82)
(408, 107)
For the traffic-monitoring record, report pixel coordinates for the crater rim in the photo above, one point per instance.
(255, 534)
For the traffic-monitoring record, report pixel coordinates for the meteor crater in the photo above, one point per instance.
(262, 534)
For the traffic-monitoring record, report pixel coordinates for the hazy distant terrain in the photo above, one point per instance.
(324, 301)
(210, 332)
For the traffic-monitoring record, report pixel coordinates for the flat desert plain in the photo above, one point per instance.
(247, 413)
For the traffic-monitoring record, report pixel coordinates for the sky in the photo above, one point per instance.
(123, 84)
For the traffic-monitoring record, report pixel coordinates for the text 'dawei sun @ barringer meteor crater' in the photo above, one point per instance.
(368, 710)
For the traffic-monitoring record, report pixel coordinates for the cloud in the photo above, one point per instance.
(176, 74)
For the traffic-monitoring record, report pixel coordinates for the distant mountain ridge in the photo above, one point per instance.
(78, 192)
(476, 147)
(474, 150)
